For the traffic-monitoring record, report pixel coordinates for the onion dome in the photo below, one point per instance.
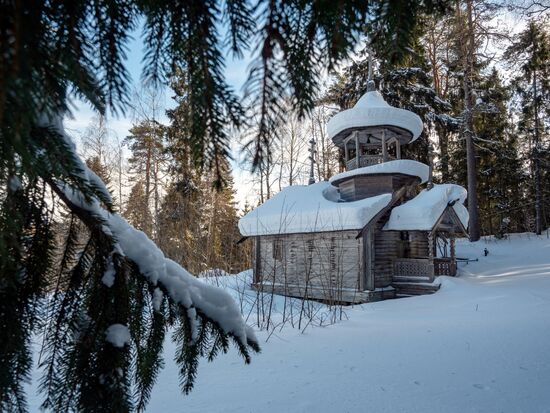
(372, 116)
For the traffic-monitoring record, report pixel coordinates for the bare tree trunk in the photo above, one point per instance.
(538, 189)
(468, 58)
(262, 200)
(148, 175)
(119, 154)
(444, 153)
(267, 179)
(156, 195)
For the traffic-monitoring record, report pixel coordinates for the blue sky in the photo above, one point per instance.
(236, 73)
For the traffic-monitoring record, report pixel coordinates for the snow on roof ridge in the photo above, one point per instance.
(311, 208)
(402, 166)
(422, 212)
(372, 110)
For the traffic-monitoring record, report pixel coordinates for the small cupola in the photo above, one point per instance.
(370, 136)
(373, 131)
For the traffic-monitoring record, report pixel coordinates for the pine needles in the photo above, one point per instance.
(62, 274)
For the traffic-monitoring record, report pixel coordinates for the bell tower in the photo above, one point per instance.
(371, 135)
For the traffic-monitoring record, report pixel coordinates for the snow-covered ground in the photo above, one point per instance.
(480, 344)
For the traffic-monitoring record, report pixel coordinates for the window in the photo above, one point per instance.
(404, 245)
(278, 249)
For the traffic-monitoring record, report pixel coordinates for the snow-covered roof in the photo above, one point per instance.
(373, 110)
(422, 212)
(401, 166)
(311, 208)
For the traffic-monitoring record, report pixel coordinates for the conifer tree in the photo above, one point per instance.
(137, 210)
(499, 169)
(438, 43)
(471, 30)
(114, 296)
(221, 226)
(531, 51)
(147, 161)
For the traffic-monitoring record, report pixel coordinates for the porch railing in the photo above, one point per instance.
(422, 267)
(414, 267)
(444, 266)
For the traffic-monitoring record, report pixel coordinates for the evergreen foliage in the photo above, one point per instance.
(428, 80)
(137, 211)
(531, 52)
(500, 176)
(404, 87)
(53, 51)
(197, 222)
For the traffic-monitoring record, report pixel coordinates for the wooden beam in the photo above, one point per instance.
(453, 251)
(456, 220)
(431, 245)
(346, 152)
(368, 260)
(257, 260)
(396, 197)
(384, 148)
(240, 241)
(357, 148)
(398, 149)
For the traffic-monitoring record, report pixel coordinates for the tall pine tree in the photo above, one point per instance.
(531, 51)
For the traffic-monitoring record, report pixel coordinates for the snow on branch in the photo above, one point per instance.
(181, 286)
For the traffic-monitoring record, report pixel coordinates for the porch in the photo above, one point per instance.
(424, 267)
(417, 275)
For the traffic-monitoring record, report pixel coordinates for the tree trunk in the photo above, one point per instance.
(156, 196)
(538, 189)
(443, 136)
(468, 58)
(148, 174)
(262, 200)
(119, 165)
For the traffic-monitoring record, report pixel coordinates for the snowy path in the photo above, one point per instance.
(481, 344)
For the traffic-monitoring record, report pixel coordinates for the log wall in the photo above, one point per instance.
(365, 186)
(329, 261)
(386, 248)
(418, 242)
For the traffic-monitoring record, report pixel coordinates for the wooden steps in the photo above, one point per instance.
(408, 286)
(410, 279)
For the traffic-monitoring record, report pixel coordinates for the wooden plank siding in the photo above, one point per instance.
(365, 186)
(331, 265)
(256, 260)
(327, 261)
(368, 278)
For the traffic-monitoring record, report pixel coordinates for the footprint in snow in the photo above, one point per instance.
(479, 386)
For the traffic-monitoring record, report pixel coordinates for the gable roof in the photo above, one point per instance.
(311, 208)
(424, 211)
